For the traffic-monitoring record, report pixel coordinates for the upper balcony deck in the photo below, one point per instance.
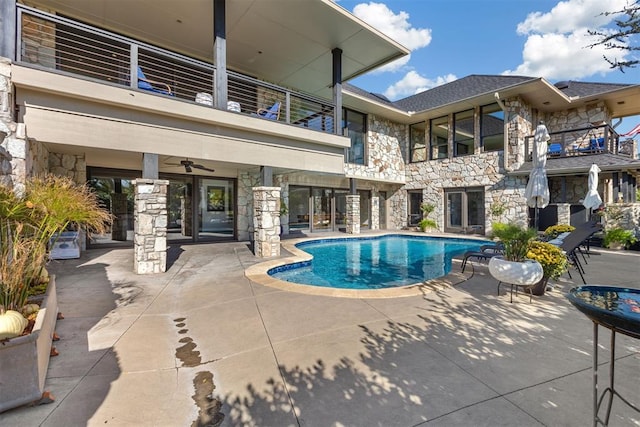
(68, 47)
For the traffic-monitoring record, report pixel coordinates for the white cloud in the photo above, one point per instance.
(413, 83)
(396, 26)
(557, 41)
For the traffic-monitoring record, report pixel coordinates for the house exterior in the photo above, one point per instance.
(233, 120)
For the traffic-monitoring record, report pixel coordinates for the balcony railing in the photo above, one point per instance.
(581, 141)
(65, 46)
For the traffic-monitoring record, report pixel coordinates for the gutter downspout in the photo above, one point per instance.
(505, 156)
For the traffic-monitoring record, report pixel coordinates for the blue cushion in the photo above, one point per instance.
(555, 148)
(271, 113)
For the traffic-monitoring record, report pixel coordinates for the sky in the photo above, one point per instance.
(451, 39)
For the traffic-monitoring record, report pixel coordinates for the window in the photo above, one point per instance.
(355, 125)
(418, 142)
(463, 131)
(492, 127)
(440, 138)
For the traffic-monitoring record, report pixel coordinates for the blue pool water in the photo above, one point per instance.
(374, 263)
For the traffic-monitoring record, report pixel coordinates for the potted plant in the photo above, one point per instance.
(513, 267)
(618, 238)
(425, 223)
(29, 224)
(554, 231)
(553, 260)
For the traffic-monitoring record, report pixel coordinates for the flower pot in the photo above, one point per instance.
(539, 288)
(521, 273)
(24, 360)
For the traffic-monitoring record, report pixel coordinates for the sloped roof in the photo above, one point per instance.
(368, 95)
(464, 88)
(583, 89)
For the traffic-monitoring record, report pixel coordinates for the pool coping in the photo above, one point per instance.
(257, 273)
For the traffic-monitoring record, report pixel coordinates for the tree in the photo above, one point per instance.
(627, 25)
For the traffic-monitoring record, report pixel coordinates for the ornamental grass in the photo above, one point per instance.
(31, 221)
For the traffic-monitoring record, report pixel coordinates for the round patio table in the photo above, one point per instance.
(617, 309)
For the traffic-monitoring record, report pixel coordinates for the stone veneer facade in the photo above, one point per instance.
(353, 214)
(150, 226)
(266, 221)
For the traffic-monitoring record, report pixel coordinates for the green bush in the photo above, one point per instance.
(619, 235)
(515, 239)
(427, 223)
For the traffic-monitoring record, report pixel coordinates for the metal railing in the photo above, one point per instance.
(66, 46)
(579, 141)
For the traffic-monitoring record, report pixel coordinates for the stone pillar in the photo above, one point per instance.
(150, 226)
(266, 221)
(353, 214)
(375, 213)
(564, 213)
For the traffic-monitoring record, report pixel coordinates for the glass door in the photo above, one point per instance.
(415, 214)
(382, 197)
(321, 203)
(180, 208)
(365, 209)
(216, 209)
(340, 202)
(465, 211)
(299, 207)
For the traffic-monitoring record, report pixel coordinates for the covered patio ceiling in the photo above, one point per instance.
(281, 41)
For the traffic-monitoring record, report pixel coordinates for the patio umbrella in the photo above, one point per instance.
(537, 191)
(592, 200)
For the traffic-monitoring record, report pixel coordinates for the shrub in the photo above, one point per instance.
(619, 235)
(515, 239)
(553, 260)
(427, 223)
(555, 230)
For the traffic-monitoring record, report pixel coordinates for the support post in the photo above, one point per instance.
(150, 226)
(266, 221)
(353, 214)
(221, 80)
(336, 82)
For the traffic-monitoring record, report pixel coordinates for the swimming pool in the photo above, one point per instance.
(374, 262)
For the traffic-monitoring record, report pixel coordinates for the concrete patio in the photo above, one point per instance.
(147, 350)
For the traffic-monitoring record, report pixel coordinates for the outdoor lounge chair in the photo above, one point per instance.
(151, 85)
(271, 113)
(572, 243)
(486, 252)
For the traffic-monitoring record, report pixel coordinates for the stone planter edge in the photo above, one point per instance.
(24, 360)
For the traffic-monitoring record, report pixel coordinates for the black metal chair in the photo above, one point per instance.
(486, 252)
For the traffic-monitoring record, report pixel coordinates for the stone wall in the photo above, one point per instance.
(482, 170)
(353, 214)
(69, 165)
(385, 159)
(150, 226)
(266, 221)
(623, 215)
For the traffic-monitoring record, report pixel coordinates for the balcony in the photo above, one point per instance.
(71, 48)
(581, 142)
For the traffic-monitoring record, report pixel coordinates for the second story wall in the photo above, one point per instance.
(385, 161)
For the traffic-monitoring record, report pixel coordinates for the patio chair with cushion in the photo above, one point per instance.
(572, 243)
(151, 85)
(271, 113)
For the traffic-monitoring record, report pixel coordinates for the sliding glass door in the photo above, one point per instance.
(465, 210)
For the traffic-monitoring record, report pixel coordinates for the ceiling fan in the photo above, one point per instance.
(189, 166)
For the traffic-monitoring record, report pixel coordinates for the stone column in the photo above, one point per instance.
(564, 213)
(375, 213)
(353, 214)
(150, 226)
(266, 221)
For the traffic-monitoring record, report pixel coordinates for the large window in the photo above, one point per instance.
(439, 138)
(355, 126)
(417, 142)
(463, 129)
(492, 127)
(415, 213)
